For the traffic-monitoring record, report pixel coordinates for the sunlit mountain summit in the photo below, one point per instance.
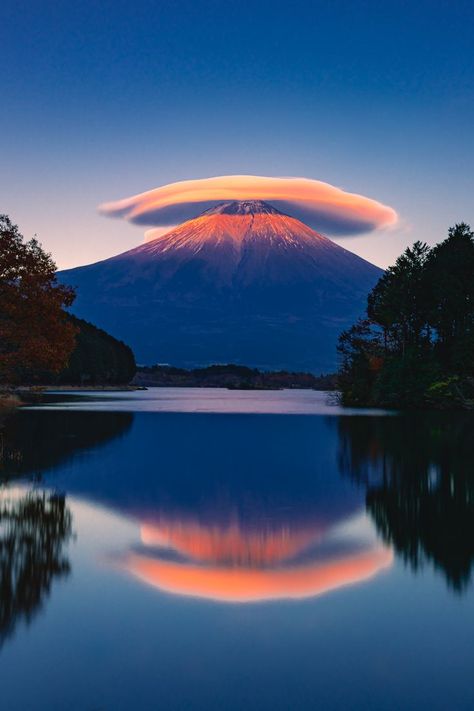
(242, 282)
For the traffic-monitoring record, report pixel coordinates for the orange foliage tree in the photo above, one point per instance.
(35, 335)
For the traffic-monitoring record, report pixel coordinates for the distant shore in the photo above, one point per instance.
(230, 376)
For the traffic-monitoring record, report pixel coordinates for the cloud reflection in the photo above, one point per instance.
(229, 563)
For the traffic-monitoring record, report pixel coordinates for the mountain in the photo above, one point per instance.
(241, 283)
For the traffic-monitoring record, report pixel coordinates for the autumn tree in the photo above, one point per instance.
(35, 335)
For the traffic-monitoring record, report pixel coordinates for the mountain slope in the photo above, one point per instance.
(240, 283)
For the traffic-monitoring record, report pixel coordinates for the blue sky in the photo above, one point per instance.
(101, 100)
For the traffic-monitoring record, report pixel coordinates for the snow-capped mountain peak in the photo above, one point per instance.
(240, 283)
(243, 207)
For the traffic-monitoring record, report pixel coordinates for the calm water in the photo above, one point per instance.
(207, 549)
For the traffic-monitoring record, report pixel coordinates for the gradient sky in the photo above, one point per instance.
(102, 100)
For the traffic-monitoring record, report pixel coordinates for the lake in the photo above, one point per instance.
(212, 549)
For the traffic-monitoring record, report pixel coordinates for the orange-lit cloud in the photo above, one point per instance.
(228, 563)
(320, 205)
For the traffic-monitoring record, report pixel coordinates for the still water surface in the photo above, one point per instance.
(214, 549)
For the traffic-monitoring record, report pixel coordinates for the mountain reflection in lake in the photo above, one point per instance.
(230, 563)
(254, 543)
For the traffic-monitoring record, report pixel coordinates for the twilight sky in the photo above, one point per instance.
(105, 100)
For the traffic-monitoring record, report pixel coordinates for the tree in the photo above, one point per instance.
(398, 303)
(35, 334)
(361, 357)
(393, 364)
(450, 280)
(419, 331)
(98, 358)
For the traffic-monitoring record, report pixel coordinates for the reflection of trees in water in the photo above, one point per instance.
(35, 527)
(33, 532)
(419, 475)
(34, 440)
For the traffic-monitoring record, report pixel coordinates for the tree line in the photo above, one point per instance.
(232, 376)
(40, 342)
(97, 358)
(415, 345)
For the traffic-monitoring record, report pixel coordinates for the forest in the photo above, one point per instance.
(415, 345)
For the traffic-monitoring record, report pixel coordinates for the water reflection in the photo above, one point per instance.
(34, 441)
(238, 508)
(35, 526)
(418, 471)
(34, 530)
(232, 508)
(234, 563)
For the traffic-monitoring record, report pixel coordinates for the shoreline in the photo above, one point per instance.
(38, 389)
(12, 397)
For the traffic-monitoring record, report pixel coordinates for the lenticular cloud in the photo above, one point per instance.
(320, 205)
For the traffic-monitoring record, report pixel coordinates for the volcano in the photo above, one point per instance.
(241, 283)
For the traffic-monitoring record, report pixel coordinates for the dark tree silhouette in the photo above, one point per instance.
(98, 358)
(416, 346)
(450, 285)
